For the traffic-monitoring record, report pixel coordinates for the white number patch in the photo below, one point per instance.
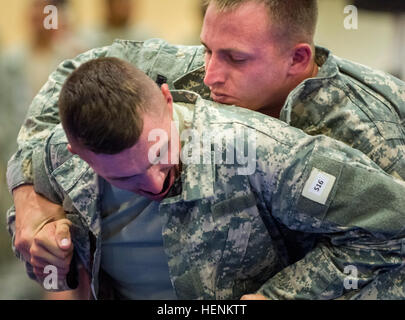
(318, 186)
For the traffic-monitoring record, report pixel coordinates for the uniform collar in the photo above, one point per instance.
(328, 69)
(194, 81)
(326, 62)
(197, 180)
(83, 186)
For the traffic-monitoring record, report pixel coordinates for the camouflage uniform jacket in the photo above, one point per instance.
(346, 101)
(359, 106)
(227, 234)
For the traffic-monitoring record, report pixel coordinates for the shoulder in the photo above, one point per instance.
(158, 57)
(218, 119)
(56, 151)
(154, 46)
(69, 171)
(377, 88)
(347, 90)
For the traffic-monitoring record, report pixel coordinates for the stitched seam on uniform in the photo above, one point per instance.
(394, 163)
(331, 279)
(348, 94)
(332, 193)
(152, 65)
(228, 206)
(55, 149)
(368, 114)
(192, 60)
(72, 184)
(307, 172)
(255, 129)
(382, 99)
(48, 167)
(367, 88)
(301, 182)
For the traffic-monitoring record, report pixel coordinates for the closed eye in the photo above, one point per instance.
(237, 59)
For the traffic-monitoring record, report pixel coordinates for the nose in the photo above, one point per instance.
(154, 181)
(214, 73)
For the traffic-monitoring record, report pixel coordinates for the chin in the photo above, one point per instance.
(166, 188)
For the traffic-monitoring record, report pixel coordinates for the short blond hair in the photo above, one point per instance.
(293, 20)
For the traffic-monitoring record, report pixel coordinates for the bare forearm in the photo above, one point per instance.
(33, 211)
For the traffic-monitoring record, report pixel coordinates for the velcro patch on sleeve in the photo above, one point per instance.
(318, 186)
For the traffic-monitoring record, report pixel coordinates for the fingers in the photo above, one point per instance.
(62, 234)
(47, 238)
(46, 252)
(32, 212)
(42, 261)
(42, 257)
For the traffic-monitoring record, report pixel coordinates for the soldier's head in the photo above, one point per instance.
(257, 51)
(108, 109)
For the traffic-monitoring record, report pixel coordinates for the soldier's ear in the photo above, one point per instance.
(301, 59)
(167, 96)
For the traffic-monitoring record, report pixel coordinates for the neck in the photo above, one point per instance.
(272, 111)
(275, 109)
(310, 72)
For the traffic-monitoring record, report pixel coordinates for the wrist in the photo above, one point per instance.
(33, 208)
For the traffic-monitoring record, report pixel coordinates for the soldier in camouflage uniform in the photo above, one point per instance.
(226, 231)
(346, 101)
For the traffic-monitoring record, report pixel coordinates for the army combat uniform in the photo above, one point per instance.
(349, 102)
(225, 233)
(346, 101)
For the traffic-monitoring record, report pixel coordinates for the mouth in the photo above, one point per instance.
(220, 97)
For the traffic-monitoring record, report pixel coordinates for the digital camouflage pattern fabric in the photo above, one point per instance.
(362, 107)
(346, 101)
(227, 234)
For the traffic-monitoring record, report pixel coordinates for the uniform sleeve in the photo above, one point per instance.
(44, 184)
(155, 57)
(356, 211)
(41, 118)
